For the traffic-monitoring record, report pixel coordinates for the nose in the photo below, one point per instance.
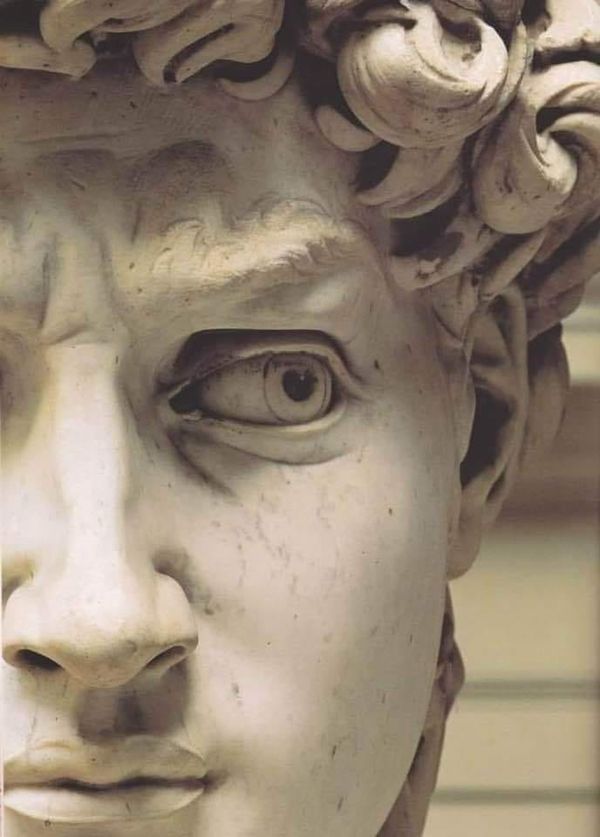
(91, 602)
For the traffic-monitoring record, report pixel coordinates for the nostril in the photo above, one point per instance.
(169, 657)
(31, 659)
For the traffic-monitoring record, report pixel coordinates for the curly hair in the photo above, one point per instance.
(477, 121)
(476, 128)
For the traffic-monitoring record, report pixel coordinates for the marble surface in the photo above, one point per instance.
(280, 294)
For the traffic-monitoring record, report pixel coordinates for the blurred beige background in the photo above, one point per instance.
(522, 755)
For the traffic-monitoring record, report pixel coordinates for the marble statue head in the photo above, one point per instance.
(281, 284)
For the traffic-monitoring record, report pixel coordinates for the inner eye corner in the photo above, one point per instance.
(181, 401)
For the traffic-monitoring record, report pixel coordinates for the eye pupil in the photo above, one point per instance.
(299, 386)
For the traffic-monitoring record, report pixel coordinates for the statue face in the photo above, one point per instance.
(228, 471)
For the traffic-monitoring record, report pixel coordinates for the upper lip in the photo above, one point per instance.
(138, 758)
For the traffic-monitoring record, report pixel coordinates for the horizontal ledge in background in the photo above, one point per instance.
(577, 818)
(530, 689)
(517, 796)
(521, 745)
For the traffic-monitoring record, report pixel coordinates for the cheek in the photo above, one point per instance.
(325, 591)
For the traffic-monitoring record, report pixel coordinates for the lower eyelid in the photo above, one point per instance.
(308, 443)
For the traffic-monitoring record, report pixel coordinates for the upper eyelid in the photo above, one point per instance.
(350, 386)
(277, 343)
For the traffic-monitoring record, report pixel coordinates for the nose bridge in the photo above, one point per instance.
(104, 579)
(97, 607)
(90, 438)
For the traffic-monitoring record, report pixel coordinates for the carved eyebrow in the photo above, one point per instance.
(262, 253)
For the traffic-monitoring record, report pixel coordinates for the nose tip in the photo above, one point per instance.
(104, 668)
(101, 650)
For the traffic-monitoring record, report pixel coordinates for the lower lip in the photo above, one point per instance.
(74, 805)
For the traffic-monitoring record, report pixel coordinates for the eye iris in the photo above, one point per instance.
(299, 386)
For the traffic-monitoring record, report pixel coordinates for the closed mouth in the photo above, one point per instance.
(73, 801)
(128, 784)
(138, 778)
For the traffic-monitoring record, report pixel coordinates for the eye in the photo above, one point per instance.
(284, 396)
(283, 388)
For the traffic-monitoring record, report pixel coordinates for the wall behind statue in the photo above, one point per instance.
(522, 752)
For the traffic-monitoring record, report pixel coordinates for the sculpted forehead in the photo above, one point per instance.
(109, 109)
(274, 141)
(236, 206)
(122, 164)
